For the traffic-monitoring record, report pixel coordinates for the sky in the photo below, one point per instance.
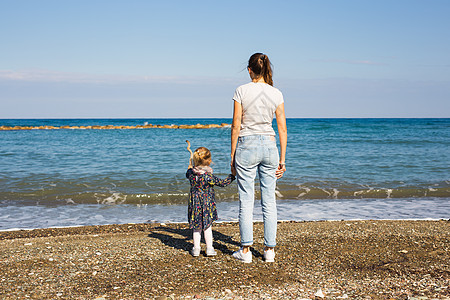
(184, 59)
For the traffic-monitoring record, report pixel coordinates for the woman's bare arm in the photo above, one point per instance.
(235, 130)
(282, 132)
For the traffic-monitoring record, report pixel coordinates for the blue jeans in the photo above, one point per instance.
(257, 153)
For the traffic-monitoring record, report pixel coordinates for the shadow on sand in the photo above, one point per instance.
(182, 239)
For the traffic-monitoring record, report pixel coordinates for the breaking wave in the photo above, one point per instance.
(53, 195)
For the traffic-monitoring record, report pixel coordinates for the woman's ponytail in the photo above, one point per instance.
(267, 69)
(260, 65)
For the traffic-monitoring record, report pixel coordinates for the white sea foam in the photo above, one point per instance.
(22, 217)
(70, 201)
(306, 191)
(327, 192)
(114, 199)
(357, 193)
(335, 193)
(278, 194)
(388, 192)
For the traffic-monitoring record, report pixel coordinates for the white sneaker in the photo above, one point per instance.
(210, 252)
(195, 252)
(269, 255)
(244, 257)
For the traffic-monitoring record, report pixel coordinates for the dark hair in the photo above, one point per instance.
(260, 65)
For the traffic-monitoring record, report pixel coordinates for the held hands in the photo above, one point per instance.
(280, 171)
(233, 169)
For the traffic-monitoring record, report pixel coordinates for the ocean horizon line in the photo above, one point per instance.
(217, 118)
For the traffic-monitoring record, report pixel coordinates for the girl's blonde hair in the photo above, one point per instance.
(202, 157)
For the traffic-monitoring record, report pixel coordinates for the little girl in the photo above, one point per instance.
(202, 211)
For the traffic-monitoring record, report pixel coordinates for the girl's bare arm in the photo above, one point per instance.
(192, 154)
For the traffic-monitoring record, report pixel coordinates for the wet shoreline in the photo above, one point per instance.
(41, 216)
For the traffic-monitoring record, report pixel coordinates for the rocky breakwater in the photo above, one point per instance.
(196, 126)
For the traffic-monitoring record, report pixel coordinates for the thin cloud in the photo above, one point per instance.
(351, 62)
(70, 77)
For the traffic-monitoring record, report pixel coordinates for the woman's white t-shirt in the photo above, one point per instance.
(259, 102)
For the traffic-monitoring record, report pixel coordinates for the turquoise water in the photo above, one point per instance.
(341, 160)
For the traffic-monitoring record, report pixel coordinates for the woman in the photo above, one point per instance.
(254, 149)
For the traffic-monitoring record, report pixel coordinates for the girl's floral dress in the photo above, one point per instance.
(202, 209)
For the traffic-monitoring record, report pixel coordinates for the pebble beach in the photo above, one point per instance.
(314, 260)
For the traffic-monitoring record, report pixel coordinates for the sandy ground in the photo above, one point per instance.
(323, 260)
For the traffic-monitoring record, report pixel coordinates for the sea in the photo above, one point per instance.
(337, 169)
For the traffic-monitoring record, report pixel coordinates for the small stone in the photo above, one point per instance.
(403, 251)
(319, 294)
